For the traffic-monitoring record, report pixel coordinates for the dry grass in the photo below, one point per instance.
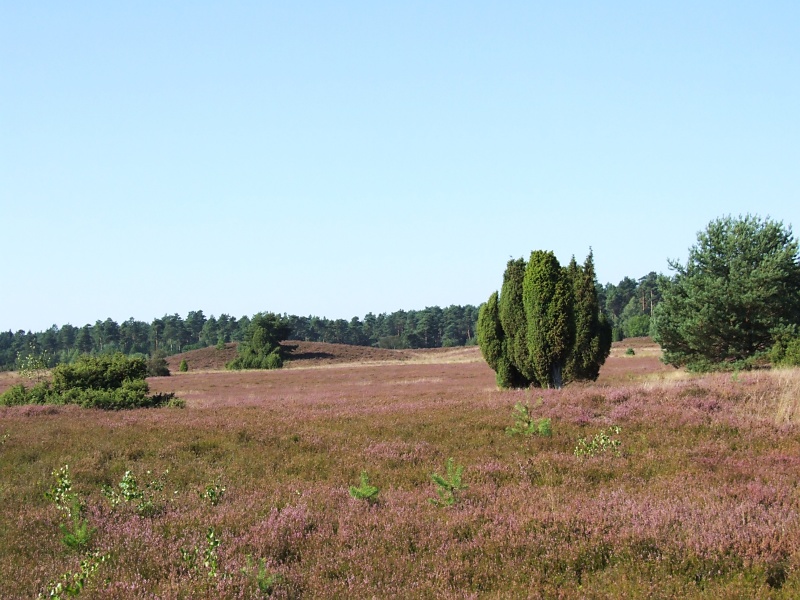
(642, 346)
(788, 404)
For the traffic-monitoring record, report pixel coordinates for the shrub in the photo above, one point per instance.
(184, 366)
(107, 382)
(98, 372)
(600, 443)
(157, 366)
(630, 352)
(41, 393)
(77, 533)
(213, 494)
(273, 361)
(250, 359)
(786, 353)
(72, 584)
(16, 395)
(261, 347)
(143, 499)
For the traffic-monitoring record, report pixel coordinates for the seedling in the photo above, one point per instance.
(190, 557)
(364, 491)
(600, 443)
(525, 424)
(448, 488)
(72, 584)
(213, 494)
(131, 493)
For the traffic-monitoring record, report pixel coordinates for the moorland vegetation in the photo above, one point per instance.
(649, 482)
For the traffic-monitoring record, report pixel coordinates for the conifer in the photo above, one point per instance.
(545, 328)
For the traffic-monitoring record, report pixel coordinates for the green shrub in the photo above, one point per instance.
(40, 393)
(184, 366)
(250, 359)
(792, 355)
(16, 395)
(600, 443)
(72, 584)
(98, 372)
(630, 352)
(261, 347)
(273, 361)
(786, 353)
(107, 382)
(157, 366)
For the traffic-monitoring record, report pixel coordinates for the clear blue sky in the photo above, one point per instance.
(336, 158)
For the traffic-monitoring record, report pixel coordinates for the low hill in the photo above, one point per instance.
(309, 354)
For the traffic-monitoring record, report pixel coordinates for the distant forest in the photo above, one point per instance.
(628, 305)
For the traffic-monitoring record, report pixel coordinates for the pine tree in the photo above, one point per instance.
(737, 294)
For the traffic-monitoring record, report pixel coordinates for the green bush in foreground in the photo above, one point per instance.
(107, 382)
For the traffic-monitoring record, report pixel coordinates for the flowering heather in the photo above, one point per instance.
(702, 500)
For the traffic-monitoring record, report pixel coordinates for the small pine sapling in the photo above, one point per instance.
(449, 487)
(267, 582)
(364, 491)
(78, 534)
(525, 424)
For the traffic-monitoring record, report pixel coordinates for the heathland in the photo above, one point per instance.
(650, 482)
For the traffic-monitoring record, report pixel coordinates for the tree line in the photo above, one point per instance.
(431, 327)
(628, 306)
